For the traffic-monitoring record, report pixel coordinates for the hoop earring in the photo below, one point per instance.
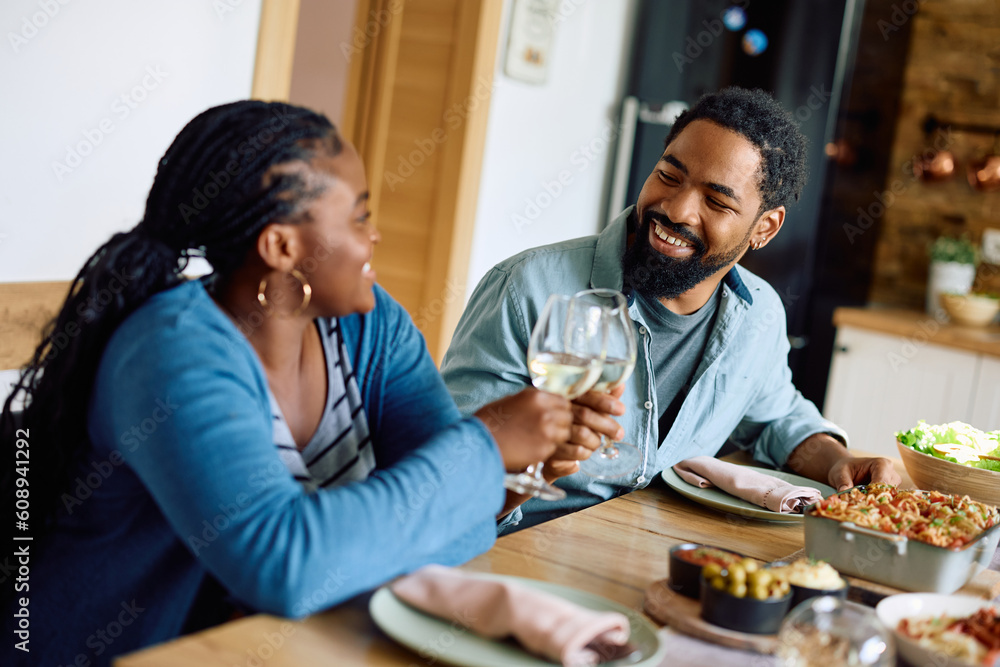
(306, 293)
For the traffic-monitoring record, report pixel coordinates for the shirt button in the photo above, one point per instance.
(642, 330)
(648, 405)
(640, 479)
(725, 293)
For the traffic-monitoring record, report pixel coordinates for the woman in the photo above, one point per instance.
(277, 427)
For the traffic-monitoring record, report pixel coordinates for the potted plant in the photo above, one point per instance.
(953, 269)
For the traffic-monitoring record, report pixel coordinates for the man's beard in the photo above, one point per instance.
(656, 276)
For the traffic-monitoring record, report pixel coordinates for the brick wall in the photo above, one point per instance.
(952, 71)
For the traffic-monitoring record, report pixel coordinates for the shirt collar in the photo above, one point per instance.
(735, 283)
(608, 272)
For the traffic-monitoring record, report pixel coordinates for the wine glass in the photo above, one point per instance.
(613, 459)
(565, 357)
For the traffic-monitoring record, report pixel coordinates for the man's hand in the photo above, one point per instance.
(825, 459)
(850, 471)
(591, 418)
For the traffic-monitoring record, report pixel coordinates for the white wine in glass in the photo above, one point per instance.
(613, 459)
(565, 357)
(568, 375)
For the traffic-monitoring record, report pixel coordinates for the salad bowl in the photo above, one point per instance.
(935, 474)
(952, 458)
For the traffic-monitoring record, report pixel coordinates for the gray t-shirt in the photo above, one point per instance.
(677, 343)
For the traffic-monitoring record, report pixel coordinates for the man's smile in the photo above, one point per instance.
(659, 231)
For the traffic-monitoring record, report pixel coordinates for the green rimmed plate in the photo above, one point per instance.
(435, 639)
(720, 500)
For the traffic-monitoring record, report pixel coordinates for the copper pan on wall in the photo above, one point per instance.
(939, 164)
(984, 174)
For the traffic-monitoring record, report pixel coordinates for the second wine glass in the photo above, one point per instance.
(613, 459)
(565, 357)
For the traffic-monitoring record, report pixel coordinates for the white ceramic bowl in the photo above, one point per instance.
(895, 608)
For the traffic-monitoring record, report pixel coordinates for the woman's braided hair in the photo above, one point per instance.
(215, 189)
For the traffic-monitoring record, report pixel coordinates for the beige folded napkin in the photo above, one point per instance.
(544, 624)
(743, 482)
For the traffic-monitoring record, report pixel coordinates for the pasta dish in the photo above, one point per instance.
(936, 518)
(974, 639)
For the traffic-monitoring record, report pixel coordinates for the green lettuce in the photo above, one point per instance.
(963, 441)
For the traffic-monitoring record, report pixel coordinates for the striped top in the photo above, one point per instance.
(340, 450)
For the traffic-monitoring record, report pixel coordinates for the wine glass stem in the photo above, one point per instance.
(536, 470)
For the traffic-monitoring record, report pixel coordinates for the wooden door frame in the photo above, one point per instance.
(272, 72)
(365, 122)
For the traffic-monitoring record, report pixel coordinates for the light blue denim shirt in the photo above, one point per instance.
(741, 388)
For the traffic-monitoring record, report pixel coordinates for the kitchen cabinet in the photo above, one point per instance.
(986, 403)
(882, 383)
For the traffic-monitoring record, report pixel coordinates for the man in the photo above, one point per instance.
(713, 348)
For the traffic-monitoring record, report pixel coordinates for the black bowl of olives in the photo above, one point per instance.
(744, 597)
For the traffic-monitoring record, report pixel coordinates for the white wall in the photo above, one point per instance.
(115, 79)
(565, 127)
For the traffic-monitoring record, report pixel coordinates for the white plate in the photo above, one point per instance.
(893, 609)
(720, 500)
(438, 640)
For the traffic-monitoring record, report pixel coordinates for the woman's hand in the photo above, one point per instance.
(528, 426)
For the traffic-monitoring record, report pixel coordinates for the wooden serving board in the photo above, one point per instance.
(684, 615)
(985, 584)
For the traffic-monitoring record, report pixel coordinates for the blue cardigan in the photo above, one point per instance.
(183, 479)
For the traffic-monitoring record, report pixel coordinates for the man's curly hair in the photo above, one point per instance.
(756, 115)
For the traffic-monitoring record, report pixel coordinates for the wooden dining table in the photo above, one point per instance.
(615, 549)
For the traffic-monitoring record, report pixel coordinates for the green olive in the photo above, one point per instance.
(750, 565)
(737, 574)
(760, 593)
(759, 578)
(718, 583)
(738, 590)
(711, 570)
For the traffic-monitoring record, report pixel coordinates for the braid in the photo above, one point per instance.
(216, 188)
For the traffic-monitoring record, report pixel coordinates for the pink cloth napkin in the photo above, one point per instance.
(775, 494)
(544, 624)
